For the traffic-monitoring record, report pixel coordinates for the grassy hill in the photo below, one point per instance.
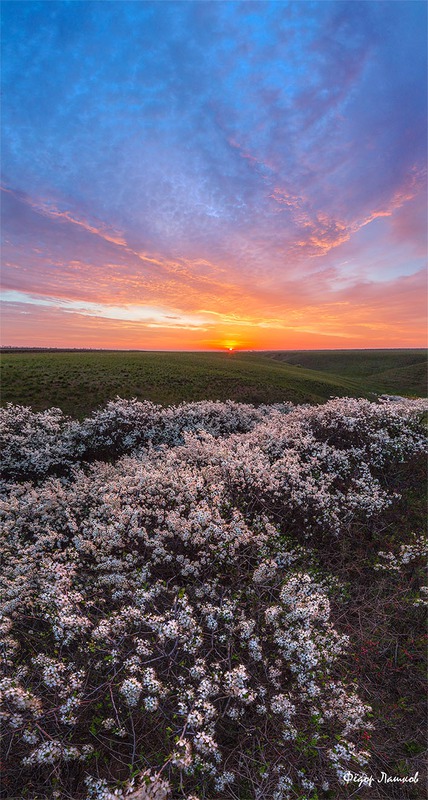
(78, 382)
(392, 371)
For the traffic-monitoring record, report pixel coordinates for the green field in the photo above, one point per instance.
(401, 372)
(80, 381)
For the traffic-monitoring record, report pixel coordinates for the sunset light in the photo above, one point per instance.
(213, 408)
(179, 174)
(231, 345)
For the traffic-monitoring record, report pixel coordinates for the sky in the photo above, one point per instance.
(210, 175)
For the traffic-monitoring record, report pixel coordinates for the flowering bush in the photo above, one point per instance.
(407, 559)
(35, 445)
(166, 625)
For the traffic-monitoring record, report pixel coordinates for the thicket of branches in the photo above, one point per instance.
(168, 608)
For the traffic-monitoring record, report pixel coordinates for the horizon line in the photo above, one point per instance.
(227, 350)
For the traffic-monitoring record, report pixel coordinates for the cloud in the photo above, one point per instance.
(224, 156)
(49, 210)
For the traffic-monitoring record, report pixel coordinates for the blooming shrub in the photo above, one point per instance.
(35, 445)
(407, 559)
(412, 551)
(164, 614)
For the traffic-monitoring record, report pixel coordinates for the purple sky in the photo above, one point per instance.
(197, 175)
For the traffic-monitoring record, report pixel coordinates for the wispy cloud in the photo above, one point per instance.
(260, 162)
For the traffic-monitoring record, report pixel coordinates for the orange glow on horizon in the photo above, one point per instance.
(366, 317)
(49, 327)
(231, 345)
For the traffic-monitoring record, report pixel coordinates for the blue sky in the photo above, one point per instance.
(246, 171)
